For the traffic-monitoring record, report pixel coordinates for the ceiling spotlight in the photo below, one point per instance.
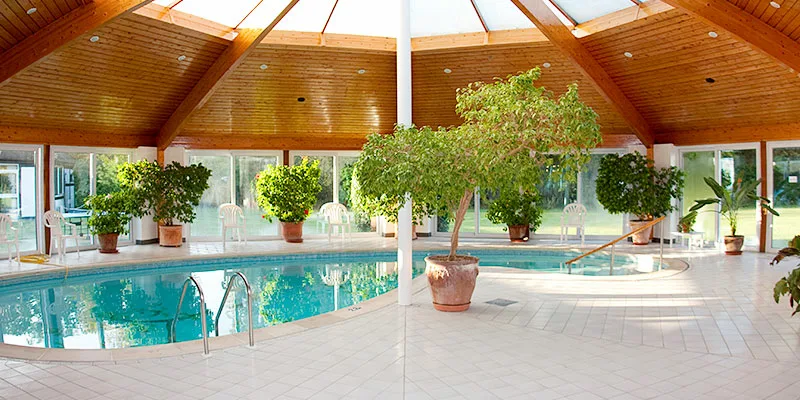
(263, 66)
(713, 34)
(181, 57)
(447, 70)
(362, 71)
(94, 39)
(31, 10)
(301, 99)
(546, 65)
(710, 80)
(628, 54)
(774, 4)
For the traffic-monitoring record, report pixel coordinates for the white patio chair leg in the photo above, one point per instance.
(77, 247)
(8, 246)
(16, 244)
(224, 237)
(52, 242)
(329, 232)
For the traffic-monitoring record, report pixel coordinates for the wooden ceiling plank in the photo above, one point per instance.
(62, 31)
(244, 43)
(552, 27)
(745, 27)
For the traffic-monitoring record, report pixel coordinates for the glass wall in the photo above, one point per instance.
(18, 193)
(598, 220)
(207, 222)
(361, 221)
(785, 195)
(314, 224)
(246, 169)
(740, 166)
(698, 165)
(554, 195)
(107, 166)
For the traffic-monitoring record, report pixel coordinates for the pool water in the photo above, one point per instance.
(134, 305)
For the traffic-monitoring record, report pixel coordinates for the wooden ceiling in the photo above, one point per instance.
(16, 24)
(130, 81)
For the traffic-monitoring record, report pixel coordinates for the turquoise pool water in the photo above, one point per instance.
(133, 305)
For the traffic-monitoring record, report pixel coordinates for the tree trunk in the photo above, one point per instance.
(460, 213)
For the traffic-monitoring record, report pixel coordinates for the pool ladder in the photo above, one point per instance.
(203, 324)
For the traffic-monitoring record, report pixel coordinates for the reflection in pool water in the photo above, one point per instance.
(136, 307)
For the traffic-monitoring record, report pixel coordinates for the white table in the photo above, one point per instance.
(693, 238)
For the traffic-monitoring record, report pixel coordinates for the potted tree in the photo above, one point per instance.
(630, 184)
(384, 206)
(791, 283)
(730, 203)
(511, 127)
(288, 193)
(169, 194)
(518, 210)
(110, 215)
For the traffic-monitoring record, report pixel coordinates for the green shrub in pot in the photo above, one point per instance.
(519, 211)
(110, 216)
(288, 194)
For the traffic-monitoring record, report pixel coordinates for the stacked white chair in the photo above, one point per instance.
(56, 222)
(232, 218)
(9, 235)
(336, 216)
(573, 216)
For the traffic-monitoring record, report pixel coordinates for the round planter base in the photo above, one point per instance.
(734, 253)
(733, 245)
(170, 235)
(451, 308)
(115, 251)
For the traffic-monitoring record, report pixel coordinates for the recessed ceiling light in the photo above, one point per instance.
(447, 70)
(263, 66)
(301, 99)
(181, 57)
(713, 34)
(628, 54)
(31, 10)
(710, 80)
(774, 4)
(362, 71)
(94, 39)
(546, 65)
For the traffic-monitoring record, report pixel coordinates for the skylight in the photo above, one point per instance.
(583, 10)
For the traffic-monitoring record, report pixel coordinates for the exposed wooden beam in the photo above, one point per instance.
(621, 17)
(75, 23)
(270, 142)
(458, 40)
(762, 232)
(244, 43)
(731, 134)
(46, 190)
(561, 37)
(746, 27)
(70, 137)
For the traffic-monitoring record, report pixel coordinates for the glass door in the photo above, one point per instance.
(246, 169)
(106, 182)
(72, 181)
(18, 193)
(314, 224)
(784, 189)
(219, 192)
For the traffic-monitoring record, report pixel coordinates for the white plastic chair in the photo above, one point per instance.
(9, 235)
(336, 216)
(231, 217)
(321, 220)
(55, 220)
(573, 216)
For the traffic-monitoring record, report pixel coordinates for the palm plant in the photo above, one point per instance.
(731, 201)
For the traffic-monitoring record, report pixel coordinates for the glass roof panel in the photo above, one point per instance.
(443, 17)
(264, 14)
(585, 10)
(500, 15)
(228, 12)
(307, 16)
(365, 17)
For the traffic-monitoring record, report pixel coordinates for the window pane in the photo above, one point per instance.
(786, 195)
(598, 220)
(555, 195)
(314, 223)
(106, 176)
(361, 221)
(18, 194)
(72, 186)
(735, 165)
(698, 165)
(246, 169)
(468, 227)
(218, 192)
(486, 226)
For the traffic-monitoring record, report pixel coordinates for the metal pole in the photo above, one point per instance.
(661, 250)
(569, 271)
(249, 305)
(611, 265)
(203, 325)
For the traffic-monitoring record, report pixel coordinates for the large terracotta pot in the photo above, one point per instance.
(643, 237)
(733, 245)
(451, 282)
(108, 243)
(292, 232)
(518, 233)
(413, 233)
(170, 235)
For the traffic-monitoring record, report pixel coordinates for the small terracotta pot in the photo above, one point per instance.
(292, 232)
(451, 282)
(733, 245)
(518, 233)
(642, 238)
(108, 243)
(170, 235)
(413, 233)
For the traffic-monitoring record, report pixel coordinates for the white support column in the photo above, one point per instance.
(146, 230)
(404, 256)
(665, 156)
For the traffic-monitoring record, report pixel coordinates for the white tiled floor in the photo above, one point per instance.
(710, 332)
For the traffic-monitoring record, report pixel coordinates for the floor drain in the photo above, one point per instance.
(501, 302)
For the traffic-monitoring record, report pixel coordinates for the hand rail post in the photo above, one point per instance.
(611, 266)
(203, 325)
(661, 250)
(249, 306)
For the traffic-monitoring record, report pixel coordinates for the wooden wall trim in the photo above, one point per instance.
(269, 142)
(75, 23)
(561, 37)
(71, 137)
(762, 234)
(46, 192)
(733, 134)
(244, 43)
(746, 27)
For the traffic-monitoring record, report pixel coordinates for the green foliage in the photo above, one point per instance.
(288, 193)
(630, 184)
(110, 213)
(790, 284)
(511, 130)
(107, 170)
(384, 205)
(515, 208)
(686, 223)
(731, 201)
(170, 193)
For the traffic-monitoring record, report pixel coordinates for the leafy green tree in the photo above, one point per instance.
(288, 193)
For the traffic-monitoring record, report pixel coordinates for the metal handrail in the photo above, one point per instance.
(249, 306)
(623, 237)
(202, 313)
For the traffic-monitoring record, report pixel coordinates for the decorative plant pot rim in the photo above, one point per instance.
(642, 220)
(734, 236)
(442, 260)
